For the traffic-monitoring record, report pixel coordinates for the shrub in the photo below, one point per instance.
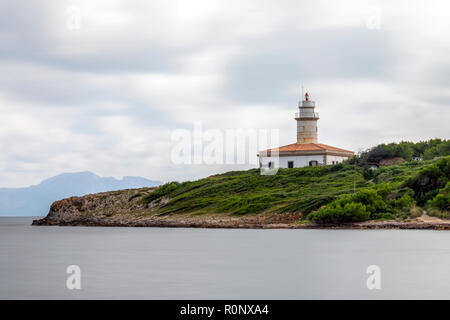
(384, 190)
(367, 196)
(415, 212)
(405, 202)
(328, 214)
(356, 212)
(442, 199)
(337, 167)
(380, 202)
(351, 212)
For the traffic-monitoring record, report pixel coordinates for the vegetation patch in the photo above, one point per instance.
(406, 150)
(249, 192)
(379, 202)
(345, 192)
(428, 182)
(439, 206)
(393, 199)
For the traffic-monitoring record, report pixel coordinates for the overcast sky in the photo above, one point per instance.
(101, 85)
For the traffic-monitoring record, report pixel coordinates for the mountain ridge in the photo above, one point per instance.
(36, 199)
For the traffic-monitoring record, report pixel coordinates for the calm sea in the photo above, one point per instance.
(160, 263)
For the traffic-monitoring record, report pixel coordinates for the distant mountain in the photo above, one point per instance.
(36, 200)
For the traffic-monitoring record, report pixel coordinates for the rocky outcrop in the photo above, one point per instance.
(127, 208)
(95, 207)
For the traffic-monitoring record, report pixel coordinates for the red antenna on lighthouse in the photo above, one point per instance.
(306, 96)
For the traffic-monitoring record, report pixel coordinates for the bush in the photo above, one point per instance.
(442, 199)
(380, 202)
(384, 190)
(405, 202)
(355, 212)
(366, 197)
(351, 212)
(415, 212)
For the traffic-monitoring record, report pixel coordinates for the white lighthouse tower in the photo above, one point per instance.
(306, 151)
(306, 121)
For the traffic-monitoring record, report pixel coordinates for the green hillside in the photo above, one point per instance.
(389, 192)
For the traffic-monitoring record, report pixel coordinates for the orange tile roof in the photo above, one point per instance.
(308, 147)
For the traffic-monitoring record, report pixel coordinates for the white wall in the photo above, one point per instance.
(336, 159)
(300, 161)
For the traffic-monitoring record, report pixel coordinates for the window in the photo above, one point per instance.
(290, 164)
(313, 163)
(270, 164)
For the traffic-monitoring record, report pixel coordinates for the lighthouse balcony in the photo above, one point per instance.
(306, 115)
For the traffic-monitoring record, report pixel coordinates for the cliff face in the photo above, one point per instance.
(99, 208)
(126, 208)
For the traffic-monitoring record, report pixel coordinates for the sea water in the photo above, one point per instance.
(183, 263)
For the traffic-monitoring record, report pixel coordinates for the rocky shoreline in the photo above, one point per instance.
(238, 223)
(123, 209)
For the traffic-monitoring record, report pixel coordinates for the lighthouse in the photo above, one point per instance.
(306, 151)
(307, 118)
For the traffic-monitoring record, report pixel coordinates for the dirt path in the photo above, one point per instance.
(426, 218)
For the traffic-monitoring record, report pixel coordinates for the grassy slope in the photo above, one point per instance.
(290, 190)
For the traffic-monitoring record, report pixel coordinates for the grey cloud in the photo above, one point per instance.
(36, 33)
(274, 64)
(56, 82)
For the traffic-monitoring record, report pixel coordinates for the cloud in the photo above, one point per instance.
(106, 95)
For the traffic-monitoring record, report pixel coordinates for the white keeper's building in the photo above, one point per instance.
(306, 151)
